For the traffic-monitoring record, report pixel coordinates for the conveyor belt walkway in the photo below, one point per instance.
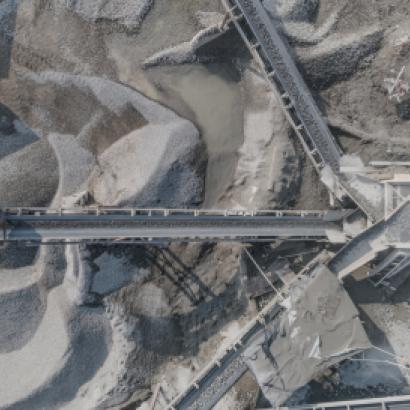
(41, 225)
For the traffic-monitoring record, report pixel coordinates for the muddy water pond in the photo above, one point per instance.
(210, 96)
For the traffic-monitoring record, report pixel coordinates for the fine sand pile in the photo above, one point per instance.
(268, 168)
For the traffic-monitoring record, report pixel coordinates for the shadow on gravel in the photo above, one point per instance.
(14, 256)
(182, 334)
(8, 14)
(14, 135)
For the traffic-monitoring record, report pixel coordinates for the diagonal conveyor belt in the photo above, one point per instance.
(393, 231)
(221, 373)
(280, 62)
(214, 385)
(122, 225)
(272, 54)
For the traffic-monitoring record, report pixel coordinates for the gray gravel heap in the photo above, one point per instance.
(29, 177)
(337, 58)
(297, 10)
(128, 13)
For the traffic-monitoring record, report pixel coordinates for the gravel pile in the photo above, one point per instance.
(29, 177)
(337, 58)
(129, 13)
(163, 159)
(22, 310)
(164, 171)
(158, 158)
(297, 10)
(186, 52)
(58, 359)
(75, 165)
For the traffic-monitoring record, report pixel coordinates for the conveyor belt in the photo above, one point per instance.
(125, 225)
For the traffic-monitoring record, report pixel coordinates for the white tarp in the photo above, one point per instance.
(319, 328)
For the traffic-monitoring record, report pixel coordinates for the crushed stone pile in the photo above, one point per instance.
(164, 149)
(29, 176)
(337, 58)
(51, 305)
(297, 10)
(129, 13)
(186, 52)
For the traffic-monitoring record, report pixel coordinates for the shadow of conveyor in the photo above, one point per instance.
(8, 14)
(197, 313)
(185, 277)
(208, 310)
(182, 333)
(15, 256)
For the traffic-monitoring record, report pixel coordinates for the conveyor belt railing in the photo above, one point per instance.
(121, 225)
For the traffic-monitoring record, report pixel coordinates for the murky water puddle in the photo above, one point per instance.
(210, 96)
